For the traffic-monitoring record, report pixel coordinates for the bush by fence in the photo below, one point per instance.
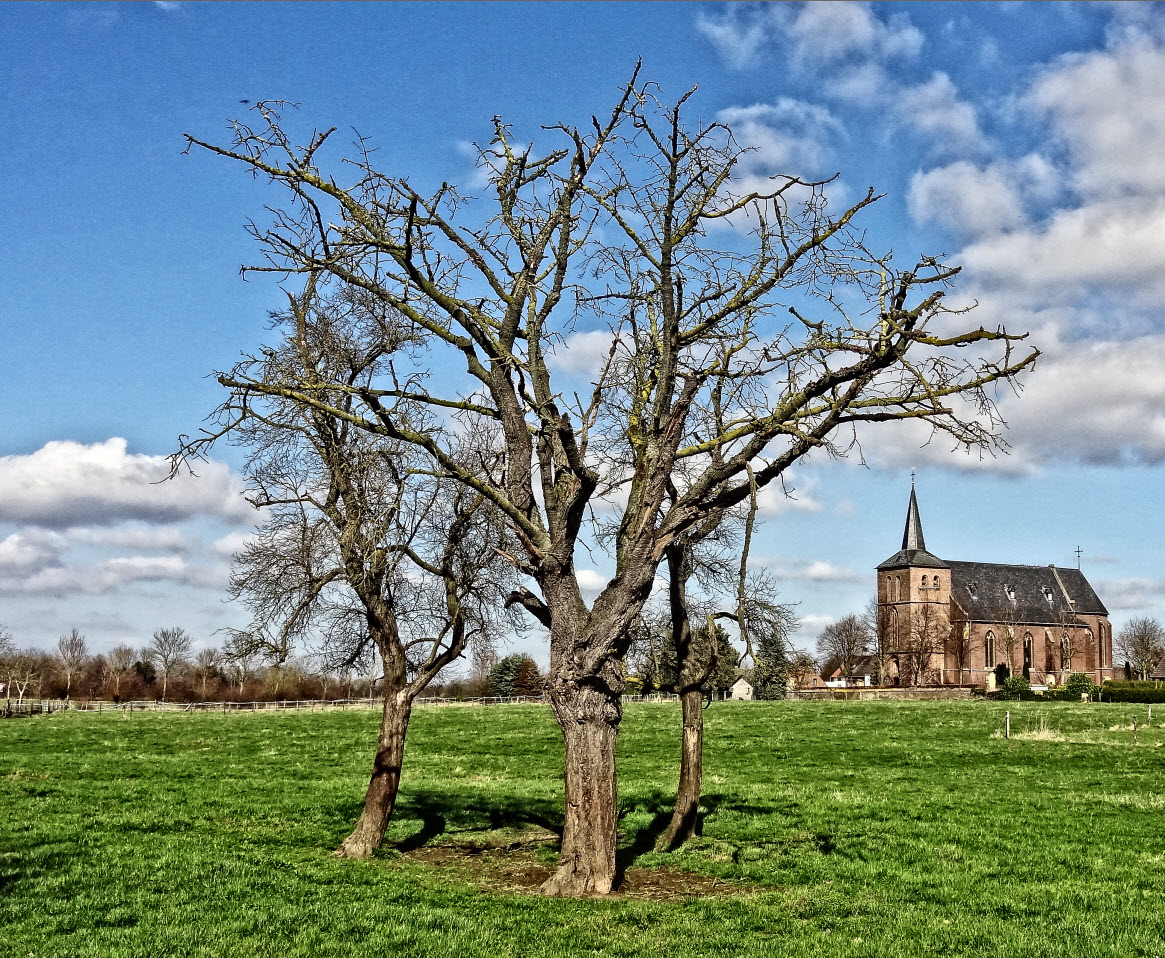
(1149, 693)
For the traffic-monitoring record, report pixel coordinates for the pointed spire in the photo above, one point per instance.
(912, 536)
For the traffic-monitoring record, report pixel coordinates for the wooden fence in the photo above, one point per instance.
(49, 706)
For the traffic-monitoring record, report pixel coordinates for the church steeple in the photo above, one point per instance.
(913, 552)
(912, 535)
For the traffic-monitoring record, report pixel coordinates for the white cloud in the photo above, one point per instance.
(810, 570)
(27, 552)
(231, 544)
(59, 578)
(1130, 594)
(1095, 402)
(796, 494)
(582, 355)
(808, 628)
(857, 57)
(935, 109)
(965, 199)
(1113, 243)
(833, 33)
(973, 201)
(1087, 401)
(67, 483)
(1108, 110)
(138, 537)
(738, 34)
(815, 35)
(591, 581)
(788, 137)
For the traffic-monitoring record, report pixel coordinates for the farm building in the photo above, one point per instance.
(947, 622)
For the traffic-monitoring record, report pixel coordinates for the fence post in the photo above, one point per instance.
(1007, 725)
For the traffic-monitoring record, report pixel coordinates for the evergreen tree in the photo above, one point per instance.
(503, 677)
(529, 679)
(770, 678)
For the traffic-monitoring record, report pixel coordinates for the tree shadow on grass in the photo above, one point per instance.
(27, 862)
(445, 815)
(471, 821)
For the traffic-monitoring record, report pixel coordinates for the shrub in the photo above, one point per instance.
(1014, 686)
(1078, 684)
(1150, 693)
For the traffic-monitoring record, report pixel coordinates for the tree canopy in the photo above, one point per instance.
(747, 328)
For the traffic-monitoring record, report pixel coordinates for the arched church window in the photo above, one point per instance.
(924, 582)
(1065, 653)
(989, 650)
(936, 582)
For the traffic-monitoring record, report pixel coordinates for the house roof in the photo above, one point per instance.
(1036, 595)
(863, 666)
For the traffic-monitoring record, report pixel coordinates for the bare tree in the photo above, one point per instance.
(119, 663)
(22, 672)
(7, 657)
(802, 667)
(242, 660)
(1141, 643)
(925, 634)
(689, 653)
(207, 663)
(169, 652)
(367, 555)
(774, 341)
(845, 641)
(881, 620)
(960, 641)
(72, 656)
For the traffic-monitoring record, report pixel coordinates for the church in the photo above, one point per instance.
(947, 622)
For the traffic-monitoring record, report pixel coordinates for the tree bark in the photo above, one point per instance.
(589, 718)
(380, 799)
(683, 820)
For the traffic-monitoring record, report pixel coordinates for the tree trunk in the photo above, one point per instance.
(380, 799)
(589, 718)
(683, 820)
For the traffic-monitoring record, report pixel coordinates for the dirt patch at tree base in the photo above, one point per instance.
(516, 869)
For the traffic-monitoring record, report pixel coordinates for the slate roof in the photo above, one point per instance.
(1034, 594)
(863, 666)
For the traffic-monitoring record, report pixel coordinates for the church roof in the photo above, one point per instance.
(913, 551)
(1031, 594)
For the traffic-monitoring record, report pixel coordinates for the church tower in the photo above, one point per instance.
(914, 592)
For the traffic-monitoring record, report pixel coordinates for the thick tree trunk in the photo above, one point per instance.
(590, 726)
(683, 820)
(380, 799)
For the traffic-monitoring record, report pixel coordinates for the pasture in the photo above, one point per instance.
(830, 829)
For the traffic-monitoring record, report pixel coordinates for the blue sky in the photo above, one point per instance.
(1025, 140)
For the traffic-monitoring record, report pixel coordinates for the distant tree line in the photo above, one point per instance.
(167, 667)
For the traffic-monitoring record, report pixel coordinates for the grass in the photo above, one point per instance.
(830, 829)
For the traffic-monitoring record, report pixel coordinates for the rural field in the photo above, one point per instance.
(830, 829)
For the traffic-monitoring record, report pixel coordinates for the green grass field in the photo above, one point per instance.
(830, 829)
